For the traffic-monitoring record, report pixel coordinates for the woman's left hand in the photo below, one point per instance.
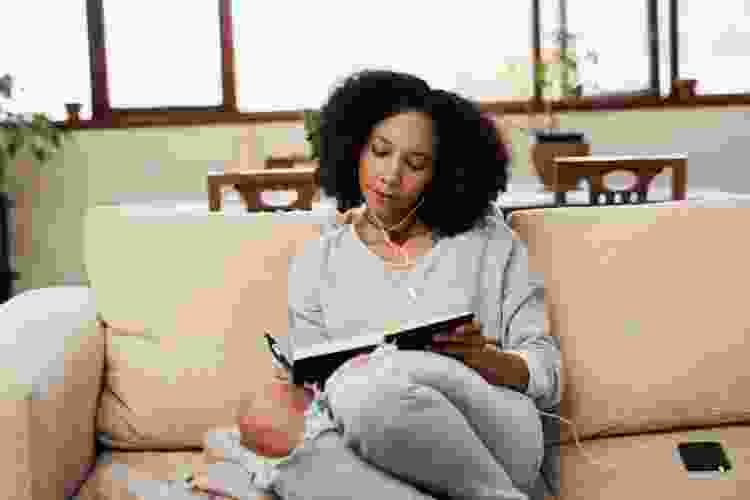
(467, 344)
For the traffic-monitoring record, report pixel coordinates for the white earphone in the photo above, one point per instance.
(403, 253)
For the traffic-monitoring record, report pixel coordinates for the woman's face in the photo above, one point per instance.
(397, 161)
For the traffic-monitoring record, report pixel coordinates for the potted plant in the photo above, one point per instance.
(21, 130)
(312, 126)
(561, 73)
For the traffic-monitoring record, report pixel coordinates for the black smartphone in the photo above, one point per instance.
(704, 456)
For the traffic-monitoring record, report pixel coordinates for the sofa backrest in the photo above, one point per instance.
(186, 297)
(647, 301)
(650, 306)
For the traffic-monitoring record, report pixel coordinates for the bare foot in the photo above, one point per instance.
(272, 421)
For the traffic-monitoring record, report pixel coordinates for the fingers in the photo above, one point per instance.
(280, 373)
(470, 334)
(467, 340)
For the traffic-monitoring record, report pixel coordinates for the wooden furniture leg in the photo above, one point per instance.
(679, 179)
(214, 194)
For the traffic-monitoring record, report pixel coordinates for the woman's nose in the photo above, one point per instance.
(391, 173)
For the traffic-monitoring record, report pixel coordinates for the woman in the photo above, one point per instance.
(416, 170)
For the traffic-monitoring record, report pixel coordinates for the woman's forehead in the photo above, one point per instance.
(410, 131)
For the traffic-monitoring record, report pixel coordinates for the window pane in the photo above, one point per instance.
(665, 49)
(49, 61)
(714, 45)
(481, 50)
(163, 53)
(612, 57)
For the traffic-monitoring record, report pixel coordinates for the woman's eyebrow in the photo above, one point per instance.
(416, 153)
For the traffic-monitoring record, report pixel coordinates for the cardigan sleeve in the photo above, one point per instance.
(525, 327)
(306, 319)
(307, 323)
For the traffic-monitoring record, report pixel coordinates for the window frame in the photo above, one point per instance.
(105, 117)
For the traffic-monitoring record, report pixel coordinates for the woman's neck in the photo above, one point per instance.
(409, 229)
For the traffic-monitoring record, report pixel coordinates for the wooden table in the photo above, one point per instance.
(568, 170)
(286, 161)
(251, 183)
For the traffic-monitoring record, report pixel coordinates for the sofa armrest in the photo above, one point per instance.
(51, 366)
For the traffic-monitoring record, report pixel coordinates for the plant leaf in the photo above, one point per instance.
(40, 153)
(569, 62)
(17, 141)
(542, 70)
(6, 85)
(39, 123)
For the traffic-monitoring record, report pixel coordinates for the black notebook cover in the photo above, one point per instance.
(318, 362)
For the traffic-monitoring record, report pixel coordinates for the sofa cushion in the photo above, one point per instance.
(650, 307)
(129, 475)
(186, 298)
(650, 466)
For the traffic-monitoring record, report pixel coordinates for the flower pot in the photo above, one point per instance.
(550, 144)
(684, 89)
(73, 109)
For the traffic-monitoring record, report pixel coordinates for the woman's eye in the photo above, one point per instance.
(381, 154)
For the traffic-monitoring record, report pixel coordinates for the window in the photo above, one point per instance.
(163, 53)
(612, 57)
(169, 54)
(665, 63)
(714, 45)
(49, 62)
(292, 62)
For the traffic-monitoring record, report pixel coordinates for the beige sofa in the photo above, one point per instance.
(649, 302)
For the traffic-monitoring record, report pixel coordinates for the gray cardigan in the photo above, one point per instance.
(338, 288)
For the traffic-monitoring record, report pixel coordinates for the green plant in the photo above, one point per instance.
(34, 131)
(563, 73)
(312, 129)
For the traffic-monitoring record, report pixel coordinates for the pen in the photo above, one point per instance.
(273, 346)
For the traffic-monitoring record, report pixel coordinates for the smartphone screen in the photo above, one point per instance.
(704, 456)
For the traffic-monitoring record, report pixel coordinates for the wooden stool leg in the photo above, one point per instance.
(679, 181)
(214, 197)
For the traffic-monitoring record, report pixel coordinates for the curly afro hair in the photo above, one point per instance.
(470, 160)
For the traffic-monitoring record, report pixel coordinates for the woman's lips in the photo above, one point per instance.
(381, 197)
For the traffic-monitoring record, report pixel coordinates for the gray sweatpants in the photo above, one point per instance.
(418, 424)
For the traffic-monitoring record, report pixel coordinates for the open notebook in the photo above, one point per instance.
(317, 362)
